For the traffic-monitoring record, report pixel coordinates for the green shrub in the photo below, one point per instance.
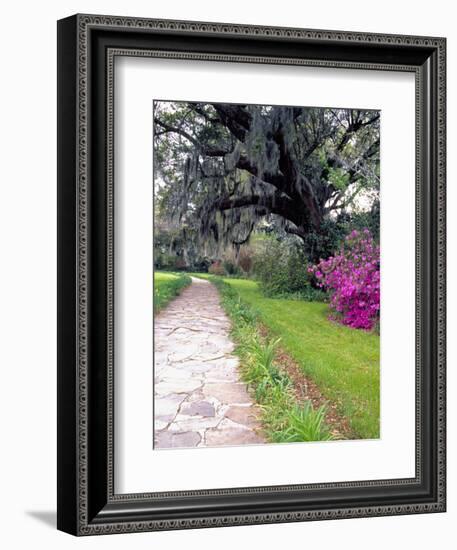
(230, 268)
(164, 261)
(281, 268)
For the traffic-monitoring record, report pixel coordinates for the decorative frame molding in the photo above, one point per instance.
(88, 45)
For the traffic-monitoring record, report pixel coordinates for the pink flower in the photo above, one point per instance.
(353, 279)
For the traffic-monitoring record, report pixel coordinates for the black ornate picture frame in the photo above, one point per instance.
(87, 47)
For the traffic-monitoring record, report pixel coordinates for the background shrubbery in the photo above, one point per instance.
(216, 268)
(281, 268)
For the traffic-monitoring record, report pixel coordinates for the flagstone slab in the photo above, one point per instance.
(172, 373)
(228, 392)
(160, 424)
(194, 424)
(171, 385)
(232, 436)
(168, 439)
(168, 404)
(221, 374)
(247, 416)
(201, 408)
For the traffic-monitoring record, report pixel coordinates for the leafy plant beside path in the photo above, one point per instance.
(167, 286)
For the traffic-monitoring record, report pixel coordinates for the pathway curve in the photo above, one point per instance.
(199, 400)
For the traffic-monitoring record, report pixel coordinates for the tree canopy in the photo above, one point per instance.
(224, 169)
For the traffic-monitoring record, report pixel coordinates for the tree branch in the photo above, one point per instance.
(295, 231)
(208, 151)
(353, 128)
(274, 203)
(227, 203)
(200, 111)
(245, 239)
(235, 118)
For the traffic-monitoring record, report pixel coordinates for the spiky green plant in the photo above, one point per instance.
(304, 424)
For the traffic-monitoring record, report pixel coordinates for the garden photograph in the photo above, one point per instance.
(267, 274)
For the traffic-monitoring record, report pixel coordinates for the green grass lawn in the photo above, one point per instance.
(167, 286)
(343, 362)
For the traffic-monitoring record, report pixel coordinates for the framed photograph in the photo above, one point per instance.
(251, 274)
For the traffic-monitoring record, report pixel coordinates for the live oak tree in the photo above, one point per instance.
(224, 169)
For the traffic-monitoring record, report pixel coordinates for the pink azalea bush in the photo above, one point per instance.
(352, 277)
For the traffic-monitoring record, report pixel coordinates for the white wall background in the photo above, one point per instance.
(28, 271)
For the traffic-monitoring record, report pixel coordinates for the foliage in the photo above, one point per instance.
(306, 424)
(369, 219)
(216, 268)
(353, 277)
(225, 168)
(323, 242)
(165, 262)
(343, 362)
(238, 261)
(245, 258)
(280, 266)
(167, 286)
(230, 267)
(284, 420)
(175, 246)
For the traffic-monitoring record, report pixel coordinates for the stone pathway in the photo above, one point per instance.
(199, 400)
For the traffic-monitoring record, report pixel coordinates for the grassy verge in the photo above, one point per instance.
(167, 286)
(284, 419)
(343, 362)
